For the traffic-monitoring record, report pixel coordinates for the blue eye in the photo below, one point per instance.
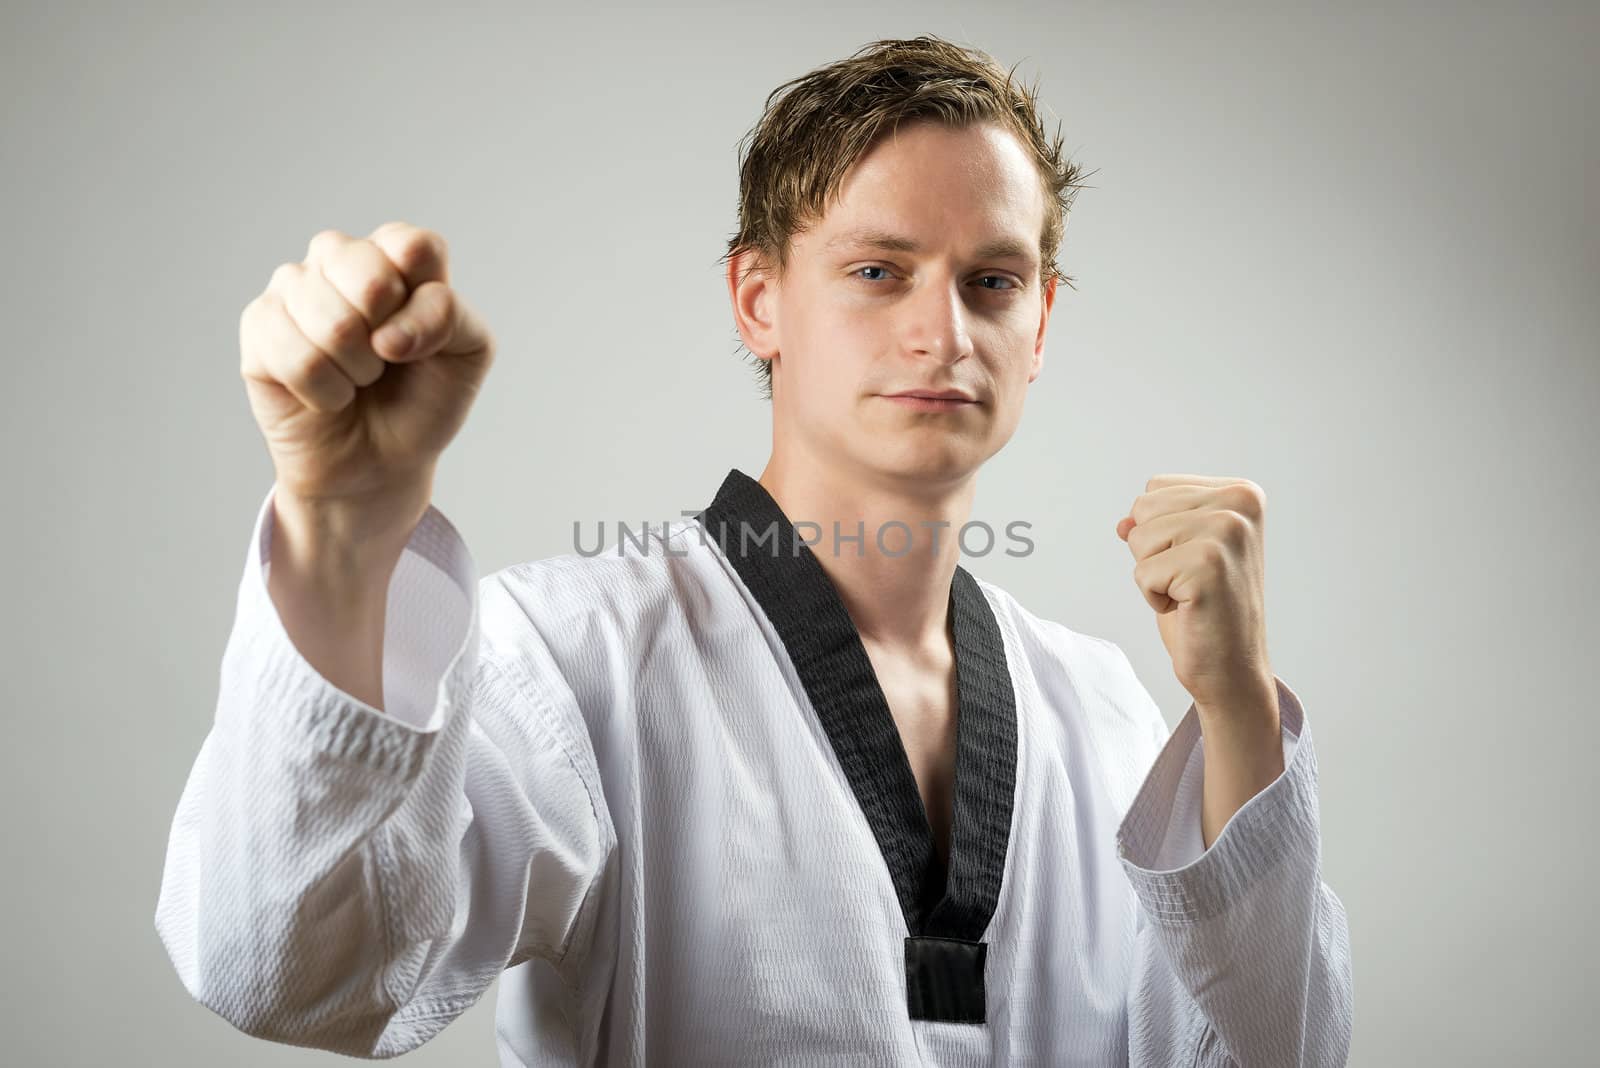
(1009, 285)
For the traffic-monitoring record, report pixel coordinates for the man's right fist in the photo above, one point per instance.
(351, 411)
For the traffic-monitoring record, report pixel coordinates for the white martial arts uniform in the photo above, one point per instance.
(660, 794)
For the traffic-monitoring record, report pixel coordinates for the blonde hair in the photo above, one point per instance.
(815, 127)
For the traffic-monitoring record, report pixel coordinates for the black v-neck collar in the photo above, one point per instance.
(946, 911)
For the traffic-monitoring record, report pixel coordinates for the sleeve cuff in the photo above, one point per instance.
(1160, 843)
(427, 621)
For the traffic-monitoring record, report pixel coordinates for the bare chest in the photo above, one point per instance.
(923, 705)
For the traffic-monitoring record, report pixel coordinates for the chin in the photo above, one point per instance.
(946, 461)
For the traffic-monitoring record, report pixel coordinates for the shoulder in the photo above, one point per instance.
(577, 607)
(624, 575)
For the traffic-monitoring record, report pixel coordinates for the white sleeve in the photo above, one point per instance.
(1242, 955)
(351, 879)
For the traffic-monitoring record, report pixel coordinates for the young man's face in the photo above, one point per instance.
(854, 322)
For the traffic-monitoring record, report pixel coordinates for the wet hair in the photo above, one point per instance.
(815, 127)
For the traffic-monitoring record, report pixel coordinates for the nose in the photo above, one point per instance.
(935, 324)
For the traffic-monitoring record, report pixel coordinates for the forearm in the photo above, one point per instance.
(1245, 929)
(1243, 754)
(329, 578)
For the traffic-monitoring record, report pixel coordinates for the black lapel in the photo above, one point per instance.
(946, 912)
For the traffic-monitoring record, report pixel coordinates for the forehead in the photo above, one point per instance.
(928, 182)
(1004, 244)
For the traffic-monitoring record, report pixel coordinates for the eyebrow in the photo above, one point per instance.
(869, 237)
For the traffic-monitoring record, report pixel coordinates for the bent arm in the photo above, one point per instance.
(1243, 952)
(352, 879)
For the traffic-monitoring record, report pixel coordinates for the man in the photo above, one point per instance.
(785, 784)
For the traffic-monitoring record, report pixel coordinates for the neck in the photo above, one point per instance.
(897, 598)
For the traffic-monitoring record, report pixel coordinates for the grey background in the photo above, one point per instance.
(1351, 255)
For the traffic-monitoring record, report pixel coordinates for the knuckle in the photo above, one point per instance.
(1258, 499)
(1230, 526)
(309, 370)
(283, 276)
(379, 288)
(254, 328)
(247, 327)
(324, 241)
(1248, 498)
(417, 247)
(431, 242)
(407, 252)
(347, 330)
(398, 227)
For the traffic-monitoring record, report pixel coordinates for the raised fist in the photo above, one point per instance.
(361, 363)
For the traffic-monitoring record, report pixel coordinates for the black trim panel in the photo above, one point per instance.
(947, 912)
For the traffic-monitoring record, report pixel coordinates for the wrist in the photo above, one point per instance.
(1253, 710)
(345, 540)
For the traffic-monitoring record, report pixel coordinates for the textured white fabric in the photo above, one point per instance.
(599, 778)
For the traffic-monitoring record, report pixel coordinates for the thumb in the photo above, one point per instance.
(435, 320)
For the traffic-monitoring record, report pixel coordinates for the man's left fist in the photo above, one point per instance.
(1201, 564)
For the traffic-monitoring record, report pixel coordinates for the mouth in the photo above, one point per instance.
(934, 394)
(932, 400)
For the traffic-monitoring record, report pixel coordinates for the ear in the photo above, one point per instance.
(1044, 321)
(755, 306)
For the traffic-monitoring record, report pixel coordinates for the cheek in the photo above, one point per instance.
(844, 320)
(1011, 380)
(838, 342)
